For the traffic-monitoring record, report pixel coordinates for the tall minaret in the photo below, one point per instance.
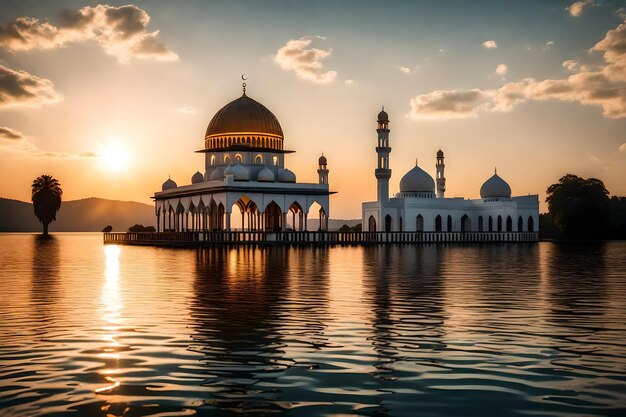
(441, 179)
(322, 171)
(383, 173)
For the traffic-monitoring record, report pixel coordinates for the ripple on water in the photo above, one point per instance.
(399, 331)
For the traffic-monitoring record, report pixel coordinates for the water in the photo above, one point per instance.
(89, 330)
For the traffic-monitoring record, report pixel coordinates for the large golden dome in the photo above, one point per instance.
(244, 122)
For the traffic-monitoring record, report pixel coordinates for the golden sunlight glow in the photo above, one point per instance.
(114, 156)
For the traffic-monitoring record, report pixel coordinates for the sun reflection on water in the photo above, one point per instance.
(111, 317)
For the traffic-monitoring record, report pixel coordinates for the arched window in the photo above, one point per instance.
(226, 160)
(388, 223)
(371, 224)
(490, 224)
(238, 158)
(480, 223)
(449, 225)
(400, 224)
(509, 224)
(466, 224)
(531, 224)
(419, 223)
(275, 160)
(438, 223)
(520, 224)
(499, 223)
(212, 159)
(258, 160)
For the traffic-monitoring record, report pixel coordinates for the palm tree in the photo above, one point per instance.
(46, 199)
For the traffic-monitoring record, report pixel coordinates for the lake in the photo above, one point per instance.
(456, 330)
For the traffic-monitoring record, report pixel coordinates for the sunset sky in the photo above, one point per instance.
(111, 98)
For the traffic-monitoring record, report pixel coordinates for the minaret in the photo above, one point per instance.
(383, 173)
(441, 179)
(322, 171)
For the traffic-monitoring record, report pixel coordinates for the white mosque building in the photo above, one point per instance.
(244, 172)
(421, 205)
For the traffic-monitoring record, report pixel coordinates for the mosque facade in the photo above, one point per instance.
(421, 204)
(244, 175)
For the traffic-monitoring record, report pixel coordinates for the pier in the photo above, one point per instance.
(318, 238)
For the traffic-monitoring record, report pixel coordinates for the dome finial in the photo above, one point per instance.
(495, 170)
(243, 77)
(415, 161)
(383, 108)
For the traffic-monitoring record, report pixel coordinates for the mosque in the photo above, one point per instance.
(244, 170)
(421, 205)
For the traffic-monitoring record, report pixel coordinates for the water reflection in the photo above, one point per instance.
(111, 307)
(239, 311)
(375, 331)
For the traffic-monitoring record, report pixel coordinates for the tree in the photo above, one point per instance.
(46, 197)
(141, 228)
(580, 208)
(107, 229)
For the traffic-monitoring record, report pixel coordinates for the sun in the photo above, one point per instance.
(114, 157)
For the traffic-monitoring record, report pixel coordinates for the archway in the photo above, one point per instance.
(419, 223)
(509, 224)
(297, 216)
(531, 224)
(273, 217)
(520, 224)
(480, 223)
(388, 223)
(449, 224)
(371, 224)
(499, 223)
(438, 226)
(466, 224)
(490, 224)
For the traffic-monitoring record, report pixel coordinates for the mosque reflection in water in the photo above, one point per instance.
(375, 331)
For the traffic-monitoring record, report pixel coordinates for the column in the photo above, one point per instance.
(284, 222)
(306, 222)
(227, 214)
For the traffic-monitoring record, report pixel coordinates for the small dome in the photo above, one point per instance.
(322, 160)
(168, 185)
(266, 175)
(495, 187)
(238, 171)
(383, 116)
(197, 177)
(285, 175)
(217, 174)
(439, 153)
(417, 181)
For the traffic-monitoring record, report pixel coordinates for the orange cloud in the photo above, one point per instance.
(16, 142)
(604, 87)
(19, 88)
(304, 61)
(121, 31)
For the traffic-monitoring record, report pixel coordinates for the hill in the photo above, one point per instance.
(86, 215)
(93, 214)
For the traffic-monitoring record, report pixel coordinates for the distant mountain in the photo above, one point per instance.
(333, 224)
(87, 215)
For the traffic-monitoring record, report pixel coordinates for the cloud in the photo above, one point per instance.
(576, 8)
(19, 88)
(502, 69)
(548, 45)
(16, 142)
(621, 12)
(490, 44)
(349, 82)
(297, 56)
(452, 104)
(622, 147)
(6, 133)
(571, 65)
(404, 70)
(594, 159)
(120, 31)
(187, 109)
(604, 86)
